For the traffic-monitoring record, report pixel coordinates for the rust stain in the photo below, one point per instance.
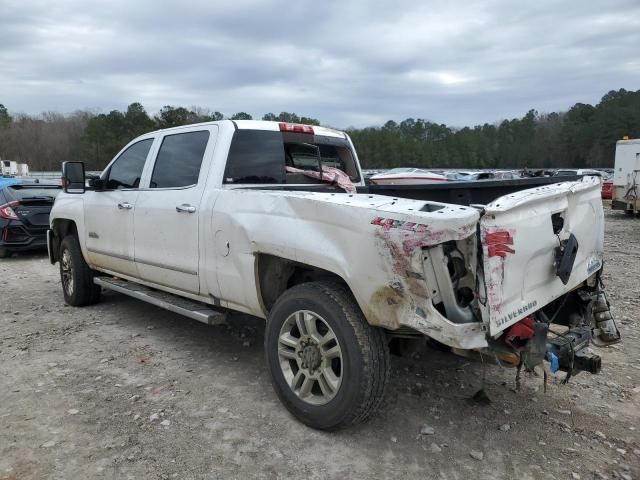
(385, 306)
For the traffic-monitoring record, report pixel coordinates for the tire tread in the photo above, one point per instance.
(85, 292)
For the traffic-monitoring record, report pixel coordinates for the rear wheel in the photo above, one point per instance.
(75, 275)
(4, 253)
(328, 365)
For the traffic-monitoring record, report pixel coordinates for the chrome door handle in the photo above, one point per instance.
(185, 208)
(125, 206)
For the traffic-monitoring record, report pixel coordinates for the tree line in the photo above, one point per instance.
(583, 136)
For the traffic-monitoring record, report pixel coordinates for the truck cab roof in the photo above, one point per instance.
(267, 126)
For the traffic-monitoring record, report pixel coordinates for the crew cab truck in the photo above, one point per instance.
(275, 220)
(626, 176)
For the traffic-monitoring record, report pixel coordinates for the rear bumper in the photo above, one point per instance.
(16, 238)
(35, 244)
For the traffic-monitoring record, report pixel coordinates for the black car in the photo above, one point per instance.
(24, 214)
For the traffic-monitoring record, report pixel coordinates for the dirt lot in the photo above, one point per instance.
(126, 390)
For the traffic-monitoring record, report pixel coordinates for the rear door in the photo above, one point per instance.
(108, 213)
(519, 233)
(167, 211)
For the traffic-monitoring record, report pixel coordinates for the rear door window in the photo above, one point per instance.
(179, 160)
(126, 171)
(255, 156)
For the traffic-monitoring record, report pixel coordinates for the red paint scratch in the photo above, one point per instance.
(498, 242)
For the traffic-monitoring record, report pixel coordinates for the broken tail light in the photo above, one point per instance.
(6, 211)
(295, 128)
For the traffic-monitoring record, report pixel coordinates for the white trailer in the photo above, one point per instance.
(626, 177)
(13, 169)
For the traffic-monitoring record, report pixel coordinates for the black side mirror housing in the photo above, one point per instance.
(73, 177)
(96, 183)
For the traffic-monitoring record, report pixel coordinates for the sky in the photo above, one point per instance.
(348, 63)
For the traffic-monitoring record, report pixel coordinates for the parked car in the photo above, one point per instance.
(607, 189)
(407, 176)
(24, 214)
(507, 175)
(468, 176)
(576, 171)
(606, 186)
(274, 220)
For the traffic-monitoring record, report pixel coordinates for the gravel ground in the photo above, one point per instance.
(125, 390)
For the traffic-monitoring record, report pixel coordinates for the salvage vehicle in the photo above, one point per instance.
(625, 194)
(24, 215)
(407, 176)
(274, 220)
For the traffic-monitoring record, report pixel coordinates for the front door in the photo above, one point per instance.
(109, 213)
(167, 213)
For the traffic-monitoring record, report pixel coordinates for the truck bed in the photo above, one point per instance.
(463, 193)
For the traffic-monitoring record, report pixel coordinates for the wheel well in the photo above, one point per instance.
(61, 228)
(275, 275)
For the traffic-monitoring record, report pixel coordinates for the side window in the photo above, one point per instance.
(255, 156)
(127, 169)
(179, 160)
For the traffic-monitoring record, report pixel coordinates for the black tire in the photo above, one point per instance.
(364, 360)
(78, 289)
(4, 253)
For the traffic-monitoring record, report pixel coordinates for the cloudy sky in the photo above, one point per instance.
(348, 63)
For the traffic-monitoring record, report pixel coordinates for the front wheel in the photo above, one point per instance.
(328, 365)
(75, 275)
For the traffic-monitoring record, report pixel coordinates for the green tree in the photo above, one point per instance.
(137, 121)
(241, 116)
(170, 116)
(290, 117)
(5, 118)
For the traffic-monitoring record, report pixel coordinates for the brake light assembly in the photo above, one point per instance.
(295, 128)
(7, 212)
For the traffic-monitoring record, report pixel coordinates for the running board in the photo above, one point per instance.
(168, 301)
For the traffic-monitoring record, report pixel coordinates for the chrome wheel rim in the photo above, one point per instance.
(310, 357)
(66, 272)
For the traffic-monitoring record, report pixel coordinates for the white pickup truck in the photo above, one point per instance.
(275, 220)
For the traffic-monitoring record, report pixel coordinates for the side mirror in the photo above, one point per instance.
(73, 177)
